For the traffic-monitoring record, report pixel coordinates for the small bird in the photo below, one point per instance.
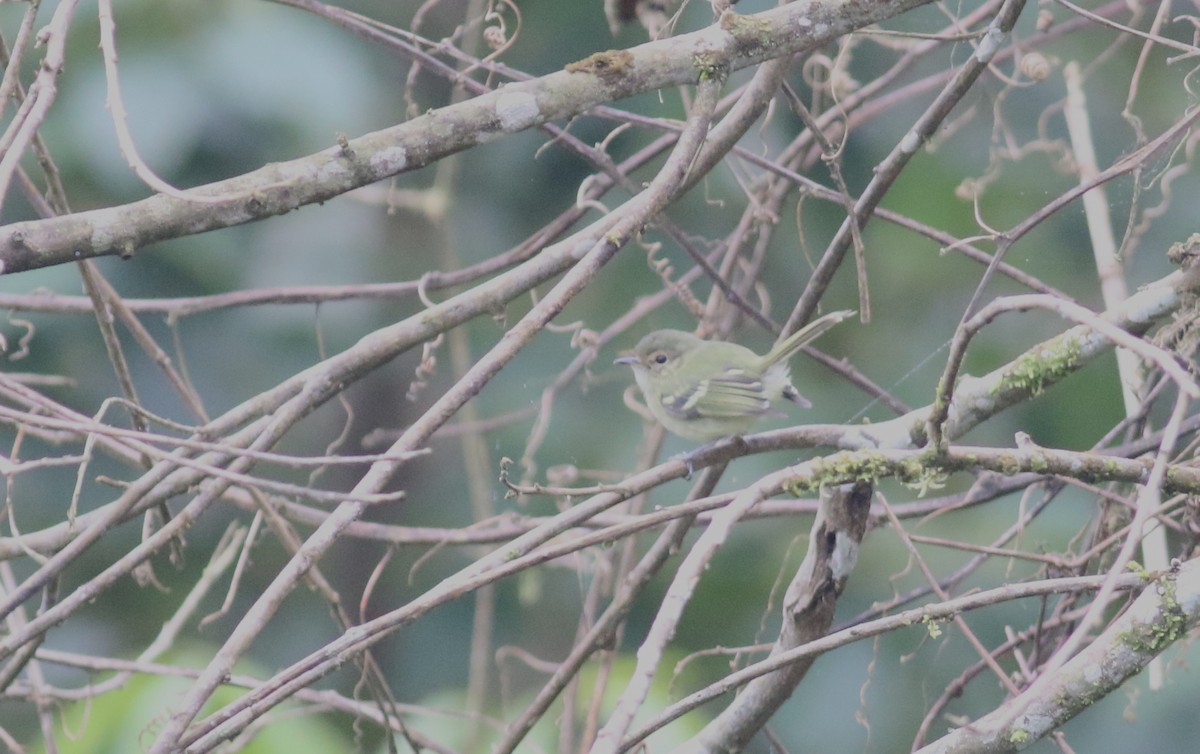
(704, 390)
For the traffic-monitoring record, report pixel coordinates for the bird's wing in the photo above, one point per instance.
(733, 393)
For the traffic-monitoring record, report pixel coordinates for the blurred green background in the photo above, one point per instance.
(215, 89)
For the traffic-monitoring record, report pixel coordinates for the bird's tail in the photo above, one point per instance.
(813, 330)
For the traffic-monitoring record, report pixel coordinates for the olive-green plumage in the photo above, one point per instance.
(703, 390)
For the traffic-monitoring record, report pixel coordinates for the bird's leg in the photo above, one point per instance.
(687, 460)
(690, 456)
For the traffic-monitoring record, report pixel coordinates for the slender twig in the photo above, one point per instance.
(919, 616)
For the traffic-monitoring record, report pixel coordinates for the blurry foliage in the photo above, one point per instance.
(215, 89)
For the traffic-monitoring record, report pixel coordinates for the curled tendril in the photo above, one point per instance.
(665, 271)
(425, 369)
(22, 342)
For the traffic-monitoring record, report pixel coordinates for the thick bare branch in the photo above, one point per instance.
(735, 43)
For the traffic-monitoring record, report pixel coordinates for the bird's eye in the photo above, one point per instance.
(660, 358)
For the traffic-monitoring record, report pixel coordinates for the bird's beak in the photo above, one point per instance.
(631, 360)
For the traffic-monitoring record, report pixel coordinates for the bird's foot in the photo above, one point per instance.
(687, 461)
(689, 457)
